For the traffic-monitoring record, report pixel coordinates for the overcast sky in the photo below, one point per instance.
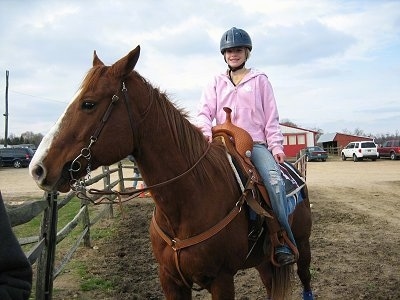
(333, 64)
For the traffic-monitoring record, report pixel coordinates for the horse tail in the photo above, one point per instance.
(281, 282)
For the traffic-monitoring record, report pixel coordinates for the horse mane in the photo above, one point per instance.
(190, 140)
(92, 76)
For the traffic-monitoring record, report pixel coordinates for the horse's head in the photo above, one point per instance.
(96, 118)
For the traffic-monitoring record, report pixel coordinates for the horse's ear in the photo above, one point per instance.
(125, 65)
(96, 60)
(133, 56)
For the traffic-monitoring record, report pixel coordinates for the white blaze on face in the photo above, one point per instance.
(47, 140)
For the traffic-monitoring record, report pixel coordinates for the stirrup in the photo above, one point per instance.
(284, 259)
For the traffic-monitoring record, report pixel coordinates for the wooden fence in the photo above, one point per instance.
(334, 150)
(43, 251)
(301, 163)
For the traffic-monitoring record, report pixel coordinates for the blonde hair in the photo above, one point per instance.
(247, 52)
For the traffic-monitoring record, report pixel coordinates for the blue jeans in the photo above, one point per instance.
(275, 185)
(136, 174)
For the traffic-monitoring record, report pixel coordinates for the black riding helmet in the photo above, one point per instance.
(235, 37)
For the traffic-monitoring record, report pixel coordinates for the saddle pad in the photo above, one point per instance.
(293, 185)
(293, 181)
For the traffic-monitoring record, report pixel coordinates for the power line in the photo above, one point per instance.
(39, 97)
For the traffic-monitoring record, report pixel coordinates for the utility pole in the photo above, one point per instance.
(6, 113)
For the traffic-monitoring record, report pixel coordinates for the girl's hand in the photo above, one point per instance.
(280, 158)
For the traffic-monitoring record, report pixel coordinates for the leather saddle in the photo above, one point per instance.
(239, 144)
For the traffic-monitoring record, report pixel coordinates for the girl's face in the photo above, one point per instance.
(234, 57)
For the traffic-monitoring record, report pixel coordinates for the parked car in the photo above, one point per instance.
(360, 150)
(16, 157)
(390, 149)
(315, 153)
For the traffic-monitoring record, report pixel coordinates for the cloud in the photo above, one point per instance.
(301, 43)
(332, 63)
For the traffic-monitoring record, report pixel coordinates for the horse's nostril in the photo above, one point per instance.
(37, 172)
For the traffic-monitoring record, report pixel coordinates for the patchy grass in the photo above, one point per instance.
(65, 215)
(75, 273)
(90, 282)
(78, 273)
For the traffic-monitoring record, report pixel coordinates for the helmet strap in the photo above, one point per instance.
(234, 69)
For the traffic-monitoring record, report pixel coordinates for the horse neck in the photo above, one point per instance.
(169, 146)
(161, 145)
(161, 160)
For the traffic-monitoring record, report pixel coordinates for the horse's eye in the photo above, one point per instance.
(88, 105)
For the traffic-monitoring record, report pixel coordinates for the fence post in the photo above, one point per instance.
(107, 182)
(86, 223)
(301, 164)
(121, 177)
(45, 266)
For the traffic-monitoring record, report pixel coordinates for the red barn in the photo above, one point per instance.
(296, 138)
(335, 142)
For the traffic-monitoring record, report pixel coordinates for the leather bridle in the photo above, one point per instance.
(79, 186)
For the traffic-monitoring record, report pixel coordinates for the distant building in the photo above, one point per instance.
(334, 142)
(296, 138)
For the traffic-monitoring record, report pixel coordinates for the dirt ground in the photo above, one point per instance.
(355, 239)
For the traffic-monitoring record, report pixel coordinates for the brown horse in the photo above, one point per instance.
(116, 113)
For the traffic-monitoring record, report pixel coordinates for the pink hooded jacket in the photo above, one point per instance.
(253, 108)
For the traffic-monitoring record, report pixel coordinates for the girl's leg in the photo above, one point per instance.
(275, 185)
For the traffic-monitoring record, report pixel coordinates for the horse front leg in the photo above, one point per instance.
(173, 288)
(222, 287)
